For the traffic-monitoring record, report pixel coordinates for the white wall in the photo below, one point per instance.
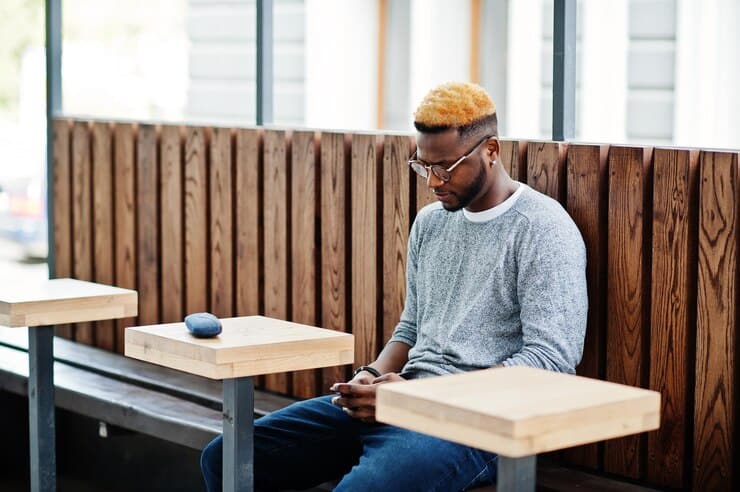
(524, 70)
(396, 88)
(341, 63)
(603, 91)
(494, 56)
(440, 46)
(650, 71)
(708, 74)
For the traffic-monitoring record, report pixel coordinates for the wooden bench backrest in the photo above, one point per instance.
(312, 227)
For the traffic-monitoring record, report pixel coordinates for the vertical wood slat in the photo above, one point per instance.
(103, 258)
(82, 261)
(546, 168)
(545, 171)
(147, 207)
(587, 205)
(672, 295)
(303, 250)
(125, 217)
(628, 296)
(513, 157)
(717, 321)
(334, 275)
(364, 169)
(276, 206)
(221, 226)
(196, 222)
(171, 213)
(397, 182)
(247, 216)
(62, 210)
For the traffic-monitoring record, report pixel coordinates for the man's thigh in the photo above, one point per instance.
(303, 445)
(396, 459)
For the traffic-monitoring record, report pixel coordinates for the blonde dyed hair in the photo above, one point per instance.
(454, 104)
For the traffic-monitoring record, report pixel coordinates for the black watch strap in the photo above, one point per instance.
(369, 369)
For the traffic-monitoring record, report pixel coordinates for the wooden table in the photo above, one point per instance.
(518, 412)
(39, 306)
(248, 346)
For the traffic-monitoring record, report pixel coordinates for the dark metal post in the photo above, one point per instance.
(564, 70)
(53, 107)
(516, 474)
(41, 408)
(238, 447)
(264, 61)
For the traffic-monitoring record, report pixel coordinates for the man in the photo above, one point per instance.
(495, 277)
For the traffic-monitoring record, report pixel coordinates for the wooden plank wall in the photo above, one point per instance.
(124, 217)
(81, 216)
(673, 308)
(587, 203)
(62, 176)
(715, 414)
(627, 294)
(170, 208)
(304, 249)
(102, 214)
(313, 227)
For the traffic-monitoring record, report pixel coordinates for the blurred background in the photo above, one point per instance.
(659, 72)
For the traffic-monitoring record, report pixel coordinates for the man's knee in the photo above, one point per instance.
(211, 458)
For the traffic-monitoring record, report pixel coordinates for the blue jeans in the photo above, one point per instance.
(314, 441)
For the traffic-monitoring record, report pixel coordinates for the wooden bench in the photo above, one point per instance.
(135, 395)
(183, 408)
(660, 227)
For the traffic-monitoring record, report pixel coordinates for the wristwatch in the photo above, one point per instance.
(369, 369)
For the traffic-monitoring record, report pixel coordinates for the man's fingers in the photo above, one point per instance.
(350, 389)
(353, 402)
(360, 380)
(366, 414)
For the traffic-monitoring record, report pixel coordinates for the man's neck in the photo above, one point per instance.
(501, 189)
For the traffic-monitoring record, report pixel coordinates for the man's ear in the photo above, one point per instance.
(492, 148)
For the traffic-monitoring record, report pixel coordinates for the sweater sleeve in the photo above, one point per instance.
(405, 330)
(551, 288)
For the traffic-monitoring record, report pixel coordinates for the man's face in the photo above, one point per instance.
(466, 180)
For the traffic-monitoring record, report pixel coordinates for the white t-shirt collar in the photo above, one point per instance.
(493, 212)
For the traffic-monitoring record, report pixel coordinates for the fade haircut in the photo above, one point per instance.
(461, 105)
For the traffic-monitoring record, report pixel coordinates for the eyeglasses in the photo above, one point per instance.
(422, 168)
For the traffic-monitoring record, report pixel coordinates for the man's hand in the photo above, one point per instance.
(362, 377)
(357, 397)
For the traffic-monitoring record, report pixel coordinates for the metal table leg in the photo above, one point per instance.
(41, 408)
(238, 448)
(516, 474)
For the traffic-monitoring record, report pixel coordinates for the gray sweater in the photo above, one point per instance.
(503, 286)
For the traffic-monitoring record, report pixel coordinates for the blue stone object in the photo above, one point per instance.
(203, 325)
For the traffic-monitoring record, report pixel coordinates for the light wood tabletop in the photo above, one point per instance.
(247, 346)
(64, 300)
(518, 411)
